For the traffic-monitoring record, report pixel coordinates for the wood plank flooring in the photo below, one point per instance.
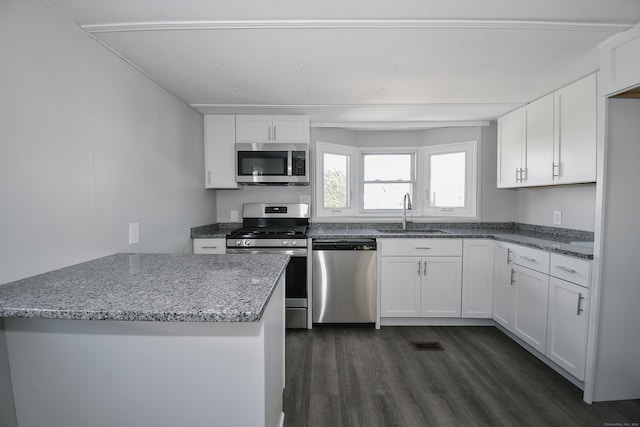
(356, 376)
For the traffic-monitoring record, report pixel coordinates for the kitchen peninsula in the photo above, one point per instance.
(148, 339)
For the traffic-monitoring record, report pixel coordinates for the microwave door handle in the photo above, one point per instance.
(289, 162)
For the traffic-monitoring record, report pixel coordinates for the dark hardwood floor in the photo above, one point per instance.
(354, 376)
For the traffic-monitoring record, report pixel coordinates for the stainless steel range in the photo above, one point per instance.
(278, 228)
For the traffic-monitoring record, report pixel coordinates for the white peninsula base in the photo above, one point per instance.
(80, 373)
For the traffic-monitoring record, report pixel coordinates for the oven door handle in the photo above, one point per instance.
(274, 251)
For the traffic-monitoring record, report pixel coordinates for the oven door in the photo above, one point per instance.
(296, 301)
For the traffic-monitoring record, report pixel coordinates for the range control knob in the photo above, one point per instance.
(294, 242)
(285, 242)
(247, 242)
(238, 242)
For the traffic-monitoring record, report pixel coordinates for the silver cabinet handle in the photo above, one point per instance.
(274, 133)
(579, 310)
(517, 177)
(567, 269)
(523, 172)
(425, 268)
(209, 247)
(269, 133)
(512, 280)
(423, 247)
(209, 177)
(509, 260)
(526, 258)
(419, 267)
(553, 170)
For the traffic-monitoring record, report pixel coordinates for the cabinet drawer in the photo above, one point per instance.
(209, 246)
(421, 247)
(531, 258)
(571, 269)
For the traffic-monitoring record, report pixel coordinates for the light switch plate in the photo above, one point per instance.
(557, 217)
(233, 216)
(134, 233)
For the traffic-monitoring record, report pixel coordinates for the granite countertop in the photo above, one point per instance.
(546, 238)
(150, 287)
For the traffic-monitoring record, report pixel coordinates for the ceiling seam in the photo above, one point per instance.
(398, 24)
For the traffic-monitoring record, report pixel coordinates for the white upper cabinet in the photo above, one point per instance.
(551, 140)
(574, 153)
(525, 145)
(266, 129)
(510, 138)
(538, 142)
(620, 62)
(219, 150)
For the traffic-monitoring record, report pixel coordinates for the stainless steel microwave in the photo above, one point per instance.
(272, 163)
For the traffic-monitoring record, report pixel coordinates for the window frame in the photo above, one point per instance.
(323, 148)
(470, 208)
(413, 152)
(421, 210)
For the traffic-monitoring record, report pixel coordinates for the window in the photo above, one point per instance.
(387, 177)
(334, 179)
(450, 179)
(441, 180)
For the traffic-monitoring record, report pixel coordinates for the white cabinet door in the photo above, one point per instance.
(530, 321)
(210, 245)
(441, 286)
(291, 129)
(253, 128)
(575, 134)
(567, 326)
(265, 129)
(477, 278)
(620, 62)
(510, 136)
(219, 149)
(504, 293)
(400, 286)
(538, 143)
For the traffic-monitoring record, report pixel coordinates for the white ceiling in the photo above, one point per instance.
(398, 62)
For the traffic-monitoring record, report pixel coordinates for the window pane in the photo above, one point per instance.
(387, 167)
(385, 196)
(335, 181)
(447, 178)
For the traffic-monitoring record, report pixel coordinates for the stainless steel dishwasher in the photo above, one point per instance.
(344, 281)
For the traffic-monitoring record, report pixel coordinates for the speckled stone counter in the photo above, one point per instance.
(150, 287)
(574, 243)
(214, 230)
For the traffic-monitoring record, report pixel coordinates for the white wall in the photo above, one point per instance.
(617, 370)
(577, 203)
(88, 145)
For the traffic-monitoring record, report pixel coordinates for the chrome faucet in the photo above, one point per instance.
(406, 205)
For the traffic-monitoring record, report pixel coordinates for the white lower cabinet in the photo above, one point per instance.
(213, 245)
(531, 298)
(400, 287)
(420, 286)
(504, 293)
(567, 326)
(543, 299)
(441, 287)
(477, 278)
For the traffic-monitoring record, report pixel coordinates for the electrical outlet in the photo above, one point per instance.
(233, 216)
(557, 217)
(134, 233)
